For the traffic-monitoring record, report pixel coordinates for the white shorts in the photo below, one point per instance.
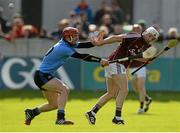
(140, 73)
(113, 69)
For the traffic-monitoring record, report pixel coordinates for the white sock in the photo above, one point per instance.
(93, 113)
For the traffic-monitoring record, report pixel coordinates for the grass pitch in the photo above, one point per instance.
(164, 114)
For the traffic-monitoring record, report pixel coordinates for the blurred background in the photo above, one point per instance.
(28, 28)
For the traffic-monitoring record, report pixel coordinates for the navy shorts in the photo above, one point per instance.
(41, 78)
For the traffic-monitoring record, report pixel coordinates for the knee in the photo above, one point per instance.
(111, 95)
(66, 90)
(116, 94)
(125, 91)
(140, 86)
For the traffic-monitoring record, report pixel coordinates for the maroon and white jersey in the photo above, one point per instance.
(132, 44)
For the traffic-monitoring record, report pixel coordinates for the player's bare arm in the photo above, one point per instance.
(108, 40)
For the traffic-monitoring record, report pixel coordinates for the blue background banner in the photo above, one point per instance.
(17, 73)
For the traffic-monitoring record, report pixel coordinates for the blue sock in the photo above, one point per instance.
(61, 111)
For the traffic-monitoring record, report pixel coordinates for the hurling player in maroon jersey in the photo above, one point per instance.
(139, 78)
(115, 73)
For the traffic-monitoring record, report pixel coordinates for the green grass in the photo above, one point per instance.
(164, 114)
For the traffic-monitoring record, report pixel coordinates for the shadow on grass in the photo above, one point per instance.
(87, 95)
(144, 114)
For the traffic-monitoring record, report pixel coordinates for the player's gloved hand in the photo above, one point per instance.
(104, 62)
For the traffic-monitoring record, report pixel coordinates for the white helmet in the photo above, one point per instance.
(152, 31)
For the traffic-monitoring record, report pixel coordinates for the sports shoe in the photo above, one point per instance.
(148, 102)
(91, 118)
(64, 122)
(140, 111)
(28, 116)
(119, 122)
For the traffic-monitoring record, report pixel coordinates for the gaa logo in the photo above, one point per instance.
(18, 73)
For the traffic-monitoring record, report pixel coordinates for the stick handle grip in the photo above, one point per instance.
(127, 58)
(119, 60)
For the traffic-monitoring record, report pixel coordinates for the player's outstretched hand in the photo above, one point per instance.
(97, 40)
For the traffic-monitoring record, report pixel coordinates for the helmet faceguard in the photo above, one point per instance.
(71, 34)
(151, 30)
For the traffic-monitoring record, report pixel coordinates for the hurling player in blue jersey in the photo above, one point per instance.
(55, 91)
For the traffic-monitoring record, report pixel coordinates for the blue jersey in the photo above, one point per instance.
(56, 57)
